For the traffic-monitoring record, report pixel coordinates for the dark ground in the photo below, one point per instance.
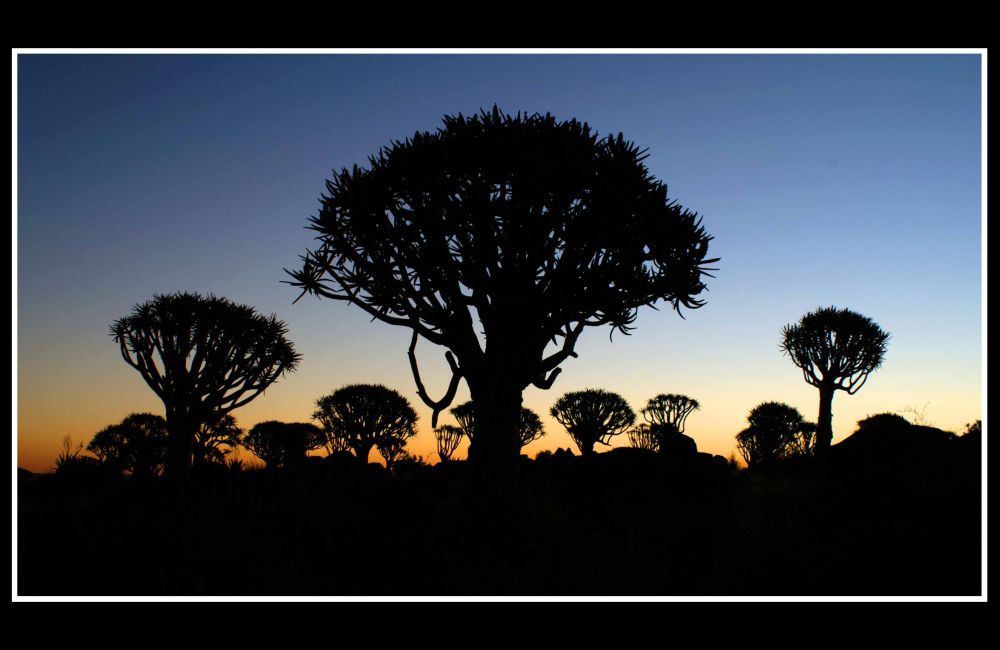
(877, 518)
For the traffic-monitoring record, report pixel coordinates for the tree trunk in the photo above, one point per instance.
(363, 451)
(824, 423)
(497, 418)
(181, 430)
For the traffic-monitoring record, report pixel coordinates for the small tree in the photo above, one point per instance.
(137, 444)
(521, 228)
(641, 436)
(836, 349)
(529, 427)
(215, 440)
(777, 431)
(592, 416)
(204, 357)
(361, 416)
(448, 437)
(280, 444)
(391, 449)
(669, 410)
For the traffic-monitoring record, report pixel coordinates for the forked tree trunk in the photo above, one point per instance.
(824, 423)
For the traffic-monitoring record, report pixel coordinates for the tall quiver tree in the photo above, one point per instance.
(533, 227)
(362, 416)
(836, 349)
(204, 357)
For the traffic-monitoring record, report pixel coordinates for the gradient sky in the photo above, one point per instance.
(846, 180)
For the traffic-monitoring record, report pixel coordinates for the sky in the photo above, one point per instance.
(825, 179)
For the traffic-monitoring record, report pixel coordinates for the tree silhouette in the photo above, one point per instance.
(137, 444)
(362, 416)
(670, 410)
(530, 227)
(392, 449)
(529, 426)
(280, 444)
(836, 349)
(448, 437)
(777, 431)
(204, 357)
(641, 436)
(212, 439)
(592, 416)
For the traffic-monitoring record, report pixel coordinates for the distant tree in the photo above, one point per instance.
(362, 416)
(836, 349)
(215, 440)
(534, 228)
(592, 416)
(669, 409)
(280, 444)
(204, 357)
(391, 449)
(529, 427)
(974, 428)
(777, 432)
(448, 437)
(137, 445)
(641, 437)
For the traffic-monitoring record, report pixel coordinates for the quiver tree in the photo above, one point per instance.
(592, 416)
(836, 349)
(215, 440)
(204, 357)
(529, 425)
(137, 445)
(642, 437)
(522, 227)
(777, 431)
(280, 444)
(448, 437)
(391, 449)
(670, 410)
(361, 416)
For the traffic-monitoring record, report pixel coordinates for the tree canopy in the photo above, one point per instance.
(204, 357)
(777, 432)
(136, 445)
(523, 229)
(362, 416)
(593, 416)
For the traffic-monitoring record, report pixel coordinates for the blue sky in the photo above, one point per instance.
(847, 180)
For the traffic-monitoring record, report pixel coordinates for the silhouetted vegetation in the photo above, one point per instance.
(71, 462)
(216, 440)
(776, 433)
(204, 357)
(642, 437)
(280, 444)
(361, 416)
(836, 349)
(448, 437)
(534, 227)
(895, 510)
(593, 416)
(529, 427)
(666, 415)
(137, 445)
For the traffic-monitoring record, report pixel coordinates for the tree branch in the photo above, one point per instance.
(449, 396)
